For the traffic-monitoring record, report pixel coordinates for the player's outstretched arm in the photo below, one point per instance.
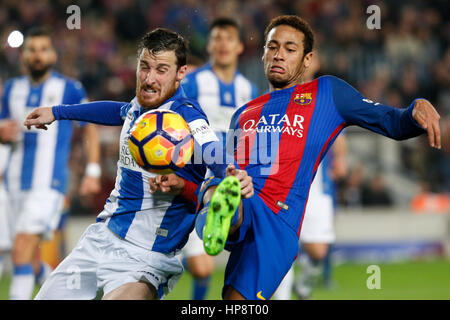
(109, 113)
(399, 124)
(428, 118)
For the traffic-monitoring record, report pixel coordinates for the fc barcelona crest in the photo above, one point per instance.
(303, 98)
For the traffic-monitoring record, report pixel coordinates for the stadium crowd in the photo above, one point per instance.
(409, 56)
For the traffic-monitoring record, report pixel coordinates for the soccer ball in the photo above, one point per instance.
(160, 141)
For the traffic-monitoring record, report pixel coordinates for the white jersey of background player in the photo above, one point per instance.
(36, 176)
(220, 89)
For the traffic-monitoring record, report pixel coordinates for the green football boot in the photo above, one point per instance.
(223, 205)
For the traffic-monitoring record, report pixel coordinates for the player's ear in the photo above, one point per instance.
(240, 48)
(307, 60)
(54, 56)
(181, 73)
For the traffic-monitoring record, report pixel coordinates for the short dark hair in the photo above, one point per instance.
(297, 23)
(37, 32)
(162, 39)
(223, 22)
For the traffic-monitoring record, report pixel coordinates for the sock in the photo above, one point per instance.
(22, 284)
(44, 272)
(200, 288)
(200, 221)
(309, 274)
(327, 269)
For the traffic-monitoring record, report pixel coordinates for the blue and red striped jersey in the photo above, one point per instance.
(281, 137)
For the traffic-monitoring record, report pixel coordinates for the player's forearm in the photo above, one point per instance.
(400, 124)
(100, 112)
(92, 150)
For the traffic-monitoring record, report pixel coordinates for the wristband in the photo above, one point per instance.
(188, 191)
(93, 170)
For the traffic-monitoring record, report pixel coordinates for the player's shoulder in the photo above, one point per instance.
(22, 81)
(192, 76)
(330, 79)
(185, 103)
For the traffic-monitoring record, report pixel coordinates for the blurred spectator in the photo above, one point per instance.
(375, 193)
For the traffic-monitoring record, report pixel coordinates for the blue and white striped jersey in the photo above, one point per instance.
(219, 100)
(39, 159)
(159, 222)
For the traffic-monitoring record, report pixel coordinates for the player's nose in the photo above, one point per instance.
(278, 56)
(149, 78)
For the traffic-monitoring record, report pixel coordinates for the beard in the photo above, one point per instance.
(38, 71)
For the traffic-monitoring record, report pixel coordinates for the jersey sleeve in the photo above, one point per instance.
(101, 112)
(355, 109)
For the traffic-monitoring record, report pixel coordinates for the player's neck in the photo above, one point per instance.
(300, 81)
(225, 73)
(290, 85)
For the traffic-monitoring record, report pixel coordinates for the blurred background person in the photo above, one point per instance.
(36, 173)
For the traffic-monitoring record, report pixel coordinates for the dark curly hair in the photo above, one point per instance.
(161, 39)
(297, 23)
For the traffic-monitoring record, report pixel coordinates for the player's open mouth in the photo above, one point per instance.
(277, 69)
(149, 91)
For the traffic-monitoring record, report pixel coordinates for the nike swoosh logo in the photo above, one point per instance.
(259, 296)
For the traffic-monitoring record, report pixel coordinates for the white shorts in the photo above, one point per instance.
(318, 222)
(5, 234)
(194, 246)
(101, 260)
(36, 211)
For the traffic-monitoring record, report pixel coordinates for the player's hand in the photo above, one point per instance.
(90, 186)
(9, 131)
(428, 118)
(246, 181)
(168, 183)
(40, 118)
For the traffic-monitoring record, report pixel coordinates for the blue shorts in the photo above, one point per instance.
(263, 252)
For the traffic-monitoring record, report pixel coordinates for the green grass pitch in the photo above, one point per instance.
(413, 280)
